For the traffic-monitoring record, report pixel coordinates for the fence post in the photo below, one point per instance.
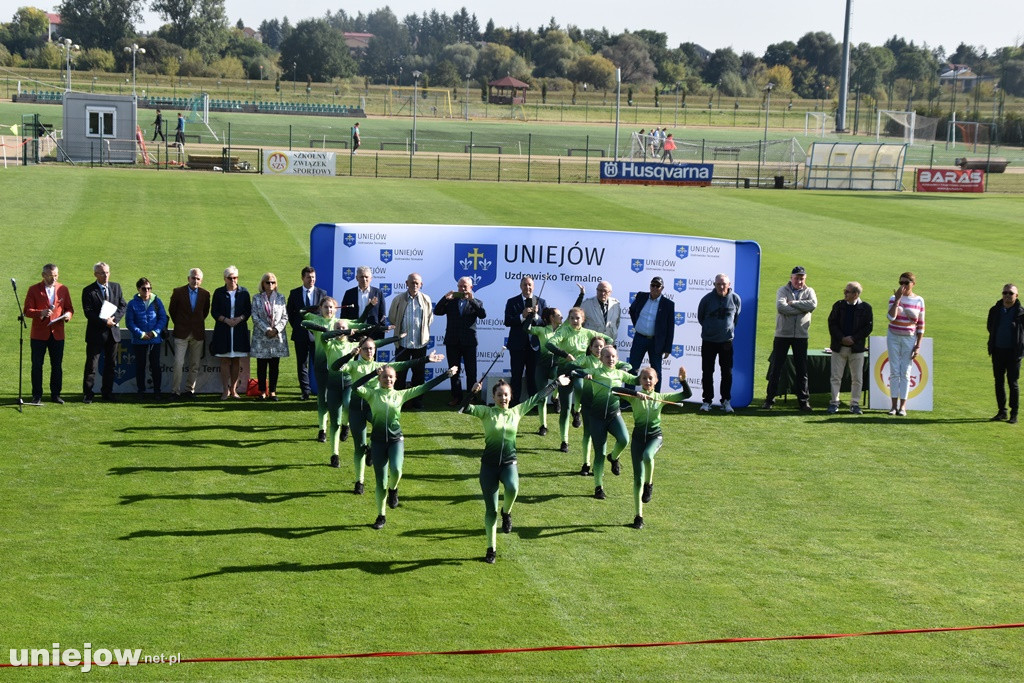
(586, 162)
(760, 154)
(703, 142)
(559, 170)
(470, 155)
(376, 164)
(289, 137)
(529, 150)
(438, 177)
(499, 168)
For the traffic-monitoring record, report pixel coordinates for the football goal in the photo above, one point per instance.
(909, 126)
(815, 123)
(436, 102)
(969, 134)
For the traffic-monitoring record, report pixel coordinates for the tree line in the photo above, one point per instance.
(451, 51)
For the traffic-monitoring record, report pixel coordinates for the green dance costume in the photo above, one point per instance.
(545, 365)
(564, 342)
(387, 447)
(605, 417)
(498, 463)
(647, 441)
(318, 324)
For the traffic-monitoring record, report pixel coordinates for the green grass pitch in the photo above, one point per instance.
(217, 530)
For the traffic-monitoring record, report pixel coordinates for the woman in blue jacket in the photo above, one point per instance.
(146, 320)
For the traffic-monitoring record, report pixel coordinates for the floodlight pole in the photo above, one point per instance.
(467, 97)
(134, 49)
(415, 89)
(618, 108)
(68, 45)
(767, 107)
(844, 76)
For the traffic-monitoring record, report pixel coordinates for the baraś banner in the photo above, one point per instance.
(950, 180)
(646, 173)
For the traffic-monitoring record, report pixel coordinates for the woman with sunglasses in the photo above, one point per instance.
(903, 341)
(269, 343)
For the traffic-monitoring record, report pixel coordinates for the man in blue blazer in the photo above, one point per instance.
(102, 335)
(523, 348)
(653, 315)
(358, 298)
(302, 300)
(463, 310)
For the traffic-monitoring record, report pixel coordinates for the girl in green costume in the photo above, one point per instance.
(569, 343)
(355, 366)
(552, 318)
(647, 405)
(387, 444)
(605, 415)
(498, 463)
(591, 362)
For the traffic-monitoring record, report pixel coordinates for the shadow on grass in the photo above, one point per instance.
(441, 477)
(285, 533)
(457, 452)
(535, 532)
(442, 533)
(242, 470)
(194, 443)
(188, 429)
(243, 497)
(450, 500)
(382, 568)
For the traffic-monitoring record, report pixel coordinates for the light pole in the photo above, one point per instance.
(67, 46)
(767, 107)
(467, 97)
(134, 50)
(415, 86)
(295, 70)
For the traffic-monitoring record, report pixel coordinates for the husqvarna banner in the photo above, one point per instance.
(920, 395)
(648, 173)
(950, 180)
(561, 262)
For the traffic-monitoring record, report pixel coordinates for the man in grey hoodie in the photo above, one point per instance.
(794, 302)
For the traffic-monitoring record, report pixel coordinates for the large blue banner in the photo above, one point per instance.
(653, 173)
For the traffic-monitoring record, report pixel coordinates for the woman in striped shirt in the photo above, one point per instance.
(906, 329)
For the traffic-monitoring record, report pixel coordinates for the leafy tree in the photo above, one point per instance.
(99, 23)
(780, 75)
(194, 24)
(5, 56)
(554, 53)
(497, 61)
(46, 56)
(631, 54)
(869, 67)
(28, 29)
(463, 57)
(387, 48)
(721, 62)
(271, 32)
(467, 28)
(446, 73)
(779, 53)
(593, 69)
(733, 85)
(820, 50)
(228, 67)
(95, 59)
(319, 51)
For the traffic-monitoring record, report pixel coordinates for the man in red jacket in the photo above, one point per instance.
(48, 304)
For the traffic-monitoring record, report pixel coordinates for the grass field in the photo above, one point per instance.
(216, 530)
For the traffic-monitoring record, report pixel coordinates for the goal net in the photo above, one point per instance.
(435, 102)
(908, 126)
(968, 133)
(816, 122)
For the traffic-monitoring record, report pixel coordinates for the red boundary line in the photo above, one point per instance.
(556, 648)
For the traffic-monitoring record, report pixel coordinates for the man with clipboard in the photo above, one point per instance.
(103, 306)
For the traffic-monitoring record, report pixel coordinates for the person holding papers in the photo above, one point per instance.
(103, 306)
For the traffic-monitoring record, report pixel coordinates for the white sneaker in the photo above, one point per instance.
(902, 412)
(705, 407)
(727, 407)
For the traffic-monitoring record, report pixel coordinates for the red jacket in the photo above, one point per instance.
(36, 302)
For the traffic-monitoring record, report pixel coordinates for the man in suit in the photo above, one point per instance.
(48, 303)
(302, 300)
(523, 348)
(603, 311)
(463, 310)
(355, 300)
(653, 316)
(102, 334)
(188, 309)
(412, 314)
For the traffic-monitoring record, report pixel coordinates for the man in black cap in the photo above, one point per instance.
(794, 302)
(653, 317)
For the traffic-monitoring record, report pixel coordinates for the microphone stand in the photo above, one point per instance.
(21, 345)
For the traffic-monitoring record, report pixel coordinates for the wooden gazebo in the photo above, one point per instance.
(509, 91)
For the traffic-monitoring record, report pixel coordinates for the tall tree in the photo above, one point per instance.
(388, 47)
(194, 24)
(630, 54)
(593, 69)
(553, 54)
(100, 23)
(721, 62)
(28, 29)
(318, 50)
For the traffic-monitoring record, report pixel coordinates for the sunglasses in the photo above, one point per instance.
(145, 288)
(1008, 293)
(904, 282)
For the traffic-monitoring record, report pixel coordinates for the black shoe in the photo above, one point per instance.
(305, 395)
(87, 399)
(616, 467)
(543, 431)
(768, 404)
(805, 407)
(638, 522)
(58, 400)
(321, 436)
(998, 417)
(36, 402)
(599, 493)
(392, 498)
(564, 447)
(585, 470)
(1012, 420)
(648, 492)
(344, 432)
(506, 522)
(368, 459)
(576, 419)
(358, 490)
(109, 398)
(380, 522)
(490, 556)
(335, 461)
